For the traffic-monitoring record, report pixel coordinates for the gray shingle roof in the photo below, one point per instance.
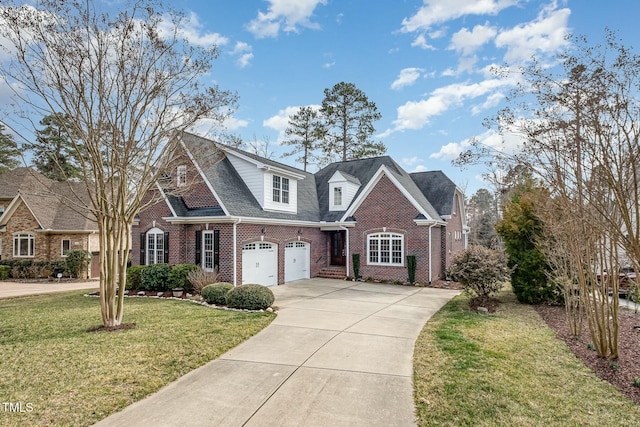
(438, 188)
(56, 205)
(313, 189)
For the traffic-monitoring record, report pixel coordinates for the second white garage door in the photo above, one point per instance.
(260, 263)
(296, 261)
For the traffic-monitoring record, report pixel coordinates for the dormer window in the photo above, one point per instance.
(337, 196)
(181, 176)
(280, 189)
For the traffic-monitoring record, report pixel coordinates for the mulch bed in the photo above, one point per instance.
(620, 372)
(120, 327)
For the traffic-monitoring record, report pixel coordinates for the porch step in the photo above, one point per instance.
(333, 273)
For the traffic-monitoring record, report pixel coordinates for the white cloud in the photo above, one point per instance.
(420, 168)
(190, 30)
(416, 114)
(451, 151)
(545, 34)
(407, 77)
(439, 11)
(421, 42)
(467, 42)
(280, 121)
(410, 161)
(492, 101)
(285, 15)
(244, 54)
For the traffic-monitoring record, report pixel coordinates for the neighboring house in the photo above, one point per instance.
(40, 222)
(260, 221)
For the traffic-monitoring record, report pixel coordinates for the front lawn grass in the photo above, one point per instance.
(507, 369)
(74, 377)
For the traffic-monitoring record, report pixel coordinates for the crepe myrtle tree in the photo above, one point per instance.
(130, 85)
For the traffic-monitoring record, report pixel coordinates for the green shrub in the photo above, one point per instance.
(134, 277)
(77, 263)
(216, 293)
(250, 297)
(179, 276)
(480, 270)
(4, 272)
(411, 268)
(356, 265)
(155, 277)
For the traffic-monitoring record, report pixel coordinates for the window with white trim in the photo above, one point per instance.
(208, 250)
(337, 196)
(385, 249)
(155, 246)
(280, 189)
(181, 176)
(66, 247)
(24, 245)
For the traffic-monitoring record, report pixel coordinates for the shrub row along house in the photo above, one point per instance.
(259, 221)
(39, 221)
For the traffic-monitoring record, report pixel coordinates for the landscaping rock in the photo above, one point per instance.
(141, 294)
(483, 310)
(270, 310)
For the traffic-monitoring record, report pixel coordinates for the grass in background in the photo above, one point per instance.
(74, 377)
(507, 369)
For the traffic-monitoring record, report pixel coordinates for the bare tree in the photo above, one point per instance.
(130, 85)
(580, 126)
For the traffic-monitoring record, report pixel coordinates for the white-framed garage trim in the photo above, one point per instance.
(260, 263)
(297, 261)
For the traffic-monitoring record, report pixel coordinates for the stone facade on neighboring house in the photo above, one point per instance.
(40, 220)
(259, 221)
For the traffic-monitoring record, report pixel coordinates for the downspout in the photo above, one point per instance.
(430, 250)
(235, 251)
(346, 248)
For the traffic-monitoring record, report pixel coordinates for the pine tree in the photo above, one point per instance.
(9, 152)
(305, 131)
(348, 118)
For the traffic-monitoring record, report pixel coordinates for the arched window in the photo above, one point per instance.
(155, 246)
(385, 249)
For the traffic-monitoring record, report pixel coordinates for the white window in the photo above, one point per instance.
(155, 246)
(337, 196)
(280, 189)
(181, 176)
(23, 245)
(208, 250)
(385, 249)
(66, 247)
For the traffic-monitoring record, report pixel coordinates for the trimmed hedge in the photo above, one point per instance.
(155, 277)
(27, 269)
(179, 276)
(134, 277)
(250, 297)
(4, 272)
(216, 293)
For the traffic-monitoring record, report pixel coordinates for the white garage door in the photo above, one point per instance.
(296, 261)
(260, 263)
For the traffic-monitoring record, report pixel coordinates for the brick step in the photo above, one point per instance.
(333, 273)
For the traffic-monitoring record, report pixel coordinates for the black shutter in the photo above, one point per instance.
(143, 240)
(198, 247)
(216, 248)
(166, 247)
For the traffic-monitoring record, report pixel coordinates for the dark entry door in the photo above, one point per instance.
(337, 248)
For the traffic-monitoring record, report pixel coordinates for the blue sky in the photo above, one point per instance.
(424, 63)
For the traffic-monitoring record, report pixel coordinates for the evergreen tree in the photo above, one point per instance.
(348, 118)
(56, 154)
(305, 131)
(9, 153)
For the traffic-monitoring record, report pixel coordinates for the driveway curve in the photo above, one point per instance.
(339, 353)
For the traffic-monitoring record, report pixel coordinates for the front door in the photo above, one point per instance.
(337, 248)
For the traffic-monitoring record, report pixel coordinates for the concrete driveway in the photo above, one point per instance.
(18, 289)
(339, 353)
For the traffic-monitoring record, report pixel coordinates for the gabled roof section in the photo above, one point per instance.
(438, 188)
(56, 206)
(232, 192)
(364, 170)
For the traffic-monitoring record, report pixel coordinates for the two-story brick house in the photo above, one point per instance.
(39, 220)
(260, 221)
